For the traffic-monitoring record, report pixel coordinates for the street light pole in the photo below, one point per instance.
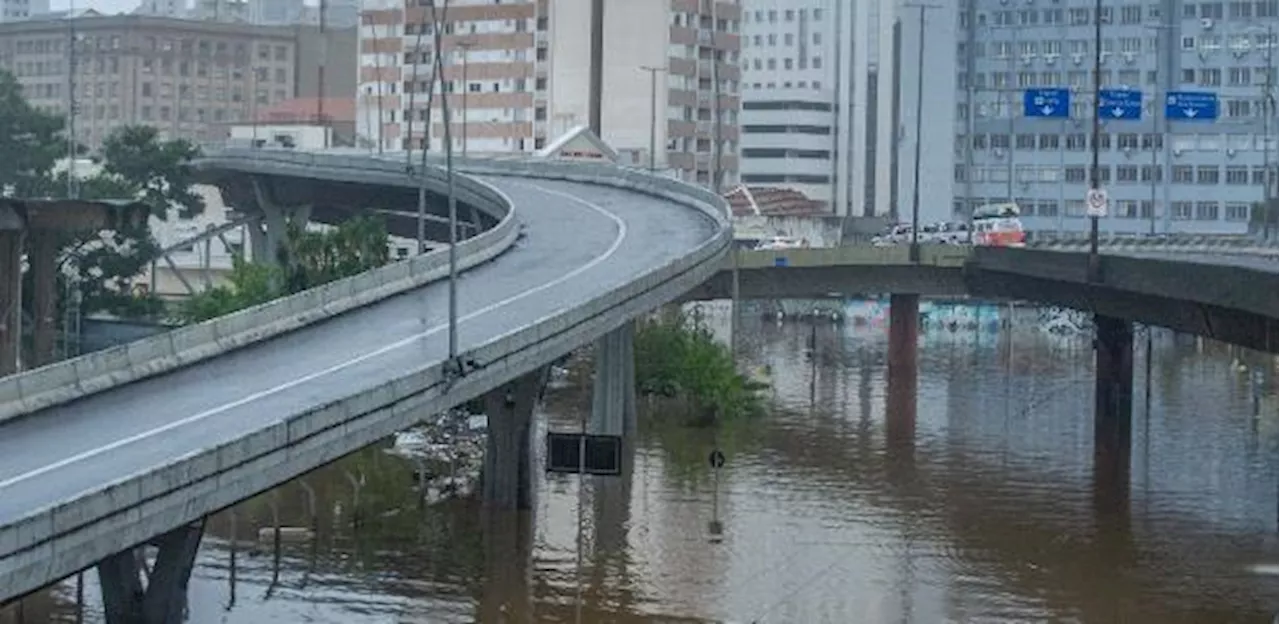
(1095, 183)
(653, 115)
(914, 252)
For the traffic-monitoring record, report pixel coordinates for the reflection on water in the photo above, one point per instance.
(987, 514)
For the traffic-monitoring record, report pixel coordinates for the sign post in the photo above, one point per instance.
(1191, 106)
(1046, 103)
(1120, 104)
(715, 527)
(1096, 202)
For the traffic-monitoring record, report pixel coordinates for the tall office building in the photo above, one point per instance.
(829, 107)
(529, 78)
(1162, 174)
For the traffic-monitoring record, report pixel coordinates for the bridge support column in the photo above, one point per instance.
(43, 256)
(1113, 392)
(613, 398)
(164, 599)
(10, 299)
(904, 332)
(508, 456)
(268, 235)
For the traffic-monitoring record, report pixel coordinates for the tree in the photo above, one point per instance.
(250, 284)
(314, 258)
(31, 141)
(157, 172)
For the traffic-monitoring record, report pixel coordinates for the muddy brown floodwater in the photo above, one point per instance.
(989, 514)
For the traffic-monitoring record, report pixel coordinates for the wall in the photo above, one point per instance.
(336, 49)
(819, 231)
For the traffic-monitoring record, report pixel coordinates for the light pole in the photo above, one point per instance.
(73, 184)
(1164, 84)
(914, 252)
(653, 114)
(1095, 182)
(465, 46)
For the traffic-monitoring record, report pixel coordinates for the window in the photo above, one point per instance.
(1237, 175)
(1183, 174)
(1237, 211)
(1075, 174)
(1126, 209)
(1075, 207)
(1208, 175)
(1152, 173)
(1026, 141)
(1048, 141)
(1126, 173)
(1182, 210)
(1077, 142)
(1206, 211)
(1127, 141)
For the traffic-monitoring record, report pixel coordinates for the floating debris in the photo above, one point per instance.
(448, 451)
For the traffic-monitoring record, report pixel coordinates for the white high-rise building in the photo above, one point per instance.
(523, 72)
(829, 108)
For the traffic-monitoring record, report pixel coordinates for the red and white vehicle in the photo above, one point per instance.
(998, 225)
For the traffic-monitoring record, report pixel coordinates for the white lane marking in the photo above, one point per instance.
(613, 248)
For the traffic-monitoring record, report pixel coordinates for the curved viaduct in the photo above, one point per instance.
(137, 444)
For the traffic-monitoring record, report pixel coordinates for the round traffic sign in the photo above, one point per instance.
(716, 459)
(1096, 198)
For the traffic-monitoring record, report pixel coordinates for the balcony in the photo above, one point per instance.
(706, 37)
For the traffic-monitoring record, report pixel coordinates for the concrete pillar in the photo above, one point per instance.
(507, 594)
(10, 299)
(268, 235)
(165, 598)
(1113, 405)
(904, 332)
(43, 258)
(613, 399)
(508, 466)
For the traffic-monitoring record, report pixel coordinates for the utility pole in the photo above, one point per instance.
(914, 252)
(465, 46)
(324, 54)
(453, 202)
(653, 115)
(716, 149)
(1095, 182)
(73, 184)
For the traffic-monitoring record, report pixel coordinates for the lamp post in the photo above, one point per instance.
(653, 114)
(1095, 182)
(1164, 84)
(914, 251)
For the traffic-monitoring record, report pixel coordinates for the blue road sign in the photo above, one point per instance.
(1191, 106)
(1120, 104)
(1047, 103)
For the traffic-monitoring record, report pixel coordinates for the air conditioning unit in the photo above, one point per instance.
(1177, 151)
(1027, 58)
(1238, 53)
(1231, 152)
(1129, 57)
(1206, 24)
(1077, 57)
(1050, 58)
(1127, 151)
(999, 153)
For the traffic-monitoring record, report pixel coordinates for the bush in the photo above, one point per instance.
(677, 360)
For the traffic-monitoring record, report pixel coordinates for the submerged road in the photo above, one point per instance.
(580, 241)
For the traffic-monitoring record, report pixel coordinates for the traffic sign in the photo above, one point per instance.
(1095, 202)
(1046, 103)
(1120, 104)
(716, 459)
(1191, 106)
(604, 454)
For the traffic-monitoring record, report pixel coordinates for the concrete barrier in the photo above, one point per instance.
(68, 380)
(133, 509)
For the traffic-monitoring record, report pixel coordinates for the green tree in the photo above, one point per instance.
(31, 141)
(313, 258)
(676, 359)
(250, 284)
(156, 171)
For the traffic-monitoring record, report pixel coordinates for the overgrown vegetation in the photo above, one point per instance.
(310, 259)
(679, 360)
(135, 163)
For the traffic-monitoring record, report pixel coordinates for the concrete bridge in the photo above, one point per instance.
(138, 444)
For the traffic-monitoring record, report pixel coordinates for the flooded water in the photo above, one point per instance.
(990, 512)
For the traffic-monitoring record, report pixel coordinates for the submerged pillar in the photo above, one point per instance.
(1113, 403)
(613, 397)
(10, 299)
(43, 257)
(164, 598)
(508, 456)
(904, 332)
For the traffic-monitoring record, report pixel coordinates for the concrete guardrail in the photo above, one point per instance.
(94, 525)
(65, 381)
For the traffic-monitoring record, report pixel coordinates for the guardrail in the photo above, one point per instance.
(219, 476)
(65, 381)
(1190, 244)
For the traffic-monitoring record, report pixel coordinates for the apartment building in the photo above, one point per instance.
(189, 78)
(829, 102)
(1161, 174)
(14, 10)
(520, 73)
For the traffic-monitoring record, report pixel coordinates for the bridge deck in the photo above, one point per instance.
(580, 241)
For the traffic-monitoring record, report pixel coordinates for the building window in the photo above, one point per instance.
(1206, 211)
(1183, 174)
(1126, 173)
(1075, 174)
(1237, 175)
(1237, 211)
(1182, 210)
(1208, 175)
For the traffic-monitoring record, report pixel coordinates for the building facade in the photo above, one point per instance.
(520, 73)
(1160, 174)
(14, 10)
(188, 78)
(829, 102)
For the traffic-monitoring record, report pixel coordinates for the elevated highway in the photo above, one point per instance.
(107, 451)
